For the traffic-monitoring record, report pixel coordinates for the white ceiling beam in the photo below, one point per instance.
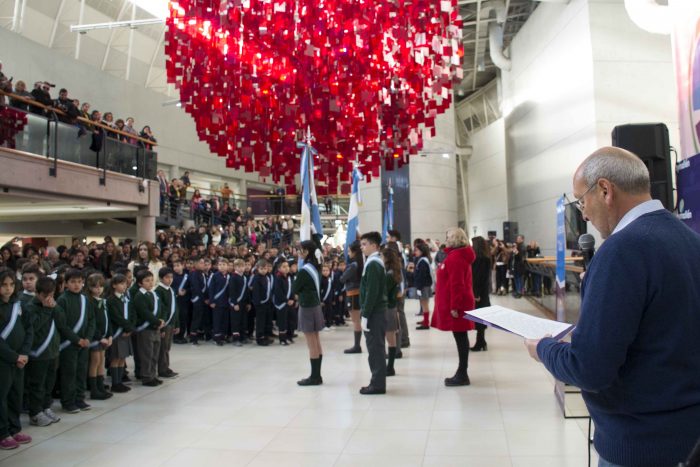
(56, 22)
(15, 15)
(131, 42)
(80, 21)
(111, 35)
(155, 55)
(476, 44)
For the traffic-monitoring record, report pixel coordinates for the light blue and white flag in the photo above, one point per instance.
(310, 213)
(354, 211)
(388, 216)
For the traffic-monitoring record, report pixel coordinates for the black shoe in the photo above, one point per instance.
(179, 340)
(295, 335)
(369, 390)
(390, 372)
(150, 383)
(100, 396)
(283, 342)
(120, 388)
(263, 342)
(71, 409)
(479, 347)
(457, 380)
(159, 381)
(220, 343)
(310, 381)
(399, 354)
(82, 405)
(422, 327)
(353, 350)
(171, 374)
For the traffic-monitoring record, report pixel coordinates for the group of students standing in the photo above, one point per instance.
(58, 332)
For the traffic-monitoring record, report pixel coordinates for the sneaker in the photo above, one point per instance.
(82, 405)
(8, 443)
(71, 409)
(50, 413)
(21, 438)
(40, 419)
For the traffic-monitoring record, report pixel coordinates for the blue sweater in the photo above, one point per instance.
(636, 351)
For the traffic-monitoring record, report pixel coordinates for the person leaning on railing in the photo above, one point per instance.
(20, 90)
(41, 94)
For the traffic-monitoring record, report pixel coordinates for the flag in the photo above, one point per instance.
(388, 216)
(310, 213)
(354, 211)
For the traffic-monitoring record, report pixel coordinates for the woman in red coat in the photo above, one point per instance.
(453, 297)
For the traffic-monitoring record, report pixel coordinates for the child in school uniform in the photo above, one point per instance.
(339, 294)
(238, 297)
(261, 296)
(208, 316)
(218, 301)
(30, 274)
(198, 288)
(121, 320)
(131, 294)
(15, 344)
(327, 296)
(283, 301)
(249, 316)
(168, 302)
(41, 369)
(181, 286)
(101, 339)
(149, 317)
(76, 325)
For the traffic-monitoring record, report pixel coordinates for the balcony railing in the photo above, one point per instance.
(46, 135)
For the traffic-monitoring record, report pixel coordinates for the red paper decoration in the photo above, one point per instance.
(367, 77)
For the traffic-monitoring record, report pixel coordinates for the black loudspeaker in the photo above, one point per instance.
(650, 142)
(510, 231)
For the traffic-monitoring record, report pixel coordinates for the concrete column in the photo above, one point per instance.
(370, 216)
(146, 228)
(175, 171)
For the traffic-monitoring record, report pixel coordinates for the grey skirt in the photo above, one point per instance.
(121, 348)
(425, 293)
(311, 319)
(392, 320)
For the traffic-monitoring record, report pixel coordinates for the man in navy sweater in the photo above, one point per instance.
(634, 353)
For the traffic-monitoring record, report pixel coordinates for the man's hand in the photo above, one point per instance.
(454, 313)
(531, 346)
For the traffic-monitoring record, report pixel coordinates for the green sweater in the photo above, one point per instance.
(70, 304)
(373, 287)
(392, 290)
(143, 308)
(168, 303)
(19, 341)
(42, 319)
(304, 286)
(115, 308)
(103, 329)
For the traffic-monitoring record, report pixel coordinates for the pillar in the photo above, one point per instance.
(175, 171)
(145, 228)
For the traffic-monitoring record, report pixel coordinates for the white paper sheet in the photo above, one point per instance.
(521, 324)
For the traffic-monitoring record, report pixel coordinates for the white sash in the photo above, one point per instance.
(310, 270)
(119, 331)
(289, 294)
(373, 259)
(83, 304)
(155, 312)
(42, 348)
(172, 307)
(16, 312)
(245, 286)
(182, 284)
(221, 292)
(330, 287)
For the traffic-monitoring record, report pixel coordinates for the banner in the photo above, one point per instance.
(686, 50)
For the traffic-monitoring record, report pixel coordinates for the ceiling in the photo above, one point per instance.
(17, 207)
(48, 21)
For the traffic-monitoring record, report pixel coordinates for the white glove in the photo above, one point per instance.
(364, 324)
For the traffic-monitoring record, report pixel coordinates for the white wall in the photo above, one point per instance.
(175, 130)
(487, 182)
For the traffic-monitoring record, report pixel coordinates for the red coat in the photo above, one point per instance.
(453, 290)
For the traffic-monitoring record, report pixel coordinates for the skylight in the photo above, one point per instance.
(158, 8)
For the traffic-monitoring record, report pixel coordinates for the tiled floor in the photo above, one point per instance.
(242, 407)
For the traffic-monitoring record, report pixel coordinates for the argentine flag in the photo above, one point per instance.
(354, 211)
(388, 216)
(310, 213)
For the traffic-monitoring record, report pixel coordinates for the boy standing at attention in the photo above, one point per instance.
(76, 325)
(148, 313)
(218, 301)
(373, 310)
(171, 314)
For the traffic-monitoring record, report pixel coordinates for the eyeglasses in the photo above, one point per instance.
(579, 201)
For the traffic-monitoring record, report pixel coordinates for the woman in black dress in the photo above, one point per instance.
(481, 279)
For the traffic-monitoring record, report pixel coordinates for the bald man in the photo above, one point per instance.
(635, 353)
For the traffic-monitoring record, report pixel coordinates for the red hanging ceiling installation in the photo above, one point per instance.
(368, 77)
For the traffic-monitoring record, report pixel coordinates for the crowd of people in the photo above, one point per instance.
(70, 109)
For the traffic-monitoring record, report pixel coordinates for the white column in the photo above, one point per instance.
(370, 217)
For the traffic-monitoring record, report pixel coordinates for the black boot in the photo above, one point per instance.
(480, 343)
(460, 378)
(390, 364)
(315, 378)
(100, 380)
(356, 348)
(94, 393)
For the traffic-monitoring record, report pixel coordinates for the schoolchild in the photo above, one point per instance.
(101, 338)
(171, 315)
(149, 318)
(122, 322)
(219, 301)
